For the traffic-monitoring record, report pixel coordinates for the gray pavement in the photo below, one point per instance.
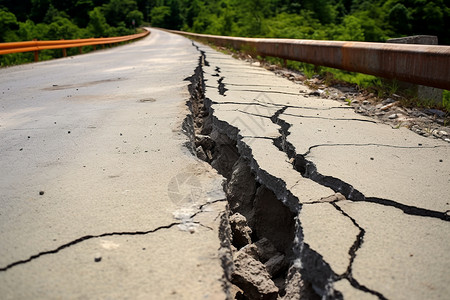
(374, 200)
(100, 197)
(126, 211)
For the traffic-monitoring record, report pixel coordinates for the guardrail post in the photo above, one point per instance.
(36, 53)
(80, 50)
(423, 93)
(64, 52)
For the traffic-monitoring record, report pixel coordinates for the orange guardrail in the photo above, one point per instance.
(421, 64)
(36, 46)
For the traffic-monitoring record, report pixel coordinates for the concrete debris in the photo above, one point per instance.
(201, 153)
(252, 277)
(296, 288)
(393, 116)
(241, 231)
(333, 198)
(266, 250)
(252, 250)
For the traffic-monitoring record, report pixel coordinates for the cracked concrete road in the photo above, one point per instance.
(372, 201)
(100, 198)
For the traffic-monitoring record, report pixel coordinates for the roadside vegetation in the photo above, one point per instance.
(27, 20)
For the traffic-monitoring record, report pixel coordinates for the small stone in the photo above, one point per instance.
(97, 258)
(68, 132)
(435, 112)
(388, 101)
(372, 158)
(252, 277)
(365, 102)
(393, 116)
(209, 155)
(442, 132)
(241, 231)
(41, 193)
(440, 160)
(387, 106)
(201, 154)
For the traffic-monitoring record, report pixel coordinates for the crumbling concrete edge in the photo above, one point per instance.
(305, 261)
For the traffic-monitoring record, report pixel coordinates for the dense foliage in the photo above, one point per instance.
(26, 20)
(359, 20)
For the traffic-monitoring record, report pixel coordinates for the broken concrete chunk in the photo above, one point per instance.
(252, 277)
(209, 155)
(201, 154)
(266, 249)
(251, 250)
(333, 198)
(275, 264)
(241, 231)
(205, 141)
(296, 288)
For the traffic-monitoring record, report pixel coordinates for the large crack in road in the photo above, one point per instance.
(305, 273)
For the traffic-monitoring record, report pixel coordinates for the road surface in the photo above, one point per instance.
(99, 136)
(102, 195)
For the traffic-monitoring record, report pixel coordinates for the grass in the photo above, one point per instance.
(380, 87)
(446, 100)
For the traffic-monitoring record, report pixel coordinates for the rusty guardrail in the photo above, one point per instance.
(421, 64)
(36, 46)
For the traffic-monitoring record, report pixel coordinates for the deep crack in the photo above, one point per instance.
(309, 170)
(221, 145)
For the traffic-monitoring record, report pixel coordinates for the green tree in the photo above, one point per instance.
(97, 25)
(39, 9)
(116, 11)
(135, 16)
(63, 28)
(8, 24)
(159, 16)
(400, 18)
(350, 30)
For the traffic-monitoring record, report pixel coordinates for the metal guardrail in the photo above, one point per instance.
(420, 64)
(36, 46)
